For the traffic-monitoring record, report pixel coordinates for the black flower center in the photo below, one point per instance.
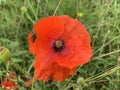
(58, 45)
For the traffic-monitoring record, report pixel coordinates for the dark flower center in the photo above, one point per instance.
(58, 45)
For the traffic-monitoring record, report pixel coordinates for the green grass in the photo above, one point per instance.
(102, 20)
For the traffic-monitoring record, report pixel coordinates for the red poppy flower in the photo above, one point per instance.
(60, 44)
(8, 84)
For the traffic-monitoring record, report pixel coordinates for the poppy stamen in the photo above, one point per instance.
(58, 45)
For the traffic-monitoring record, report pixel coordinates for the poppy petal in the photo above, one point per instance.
(49, 69)
(47, 30)
(77, 44)
(8, 84)
(73, 56)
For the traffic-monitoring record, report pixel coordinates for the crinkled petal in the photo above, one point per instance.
(47, 31)
(73, 56)
(46, 68)
(77, 45)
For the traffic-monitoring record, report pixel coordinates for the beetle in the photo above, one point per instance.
(33, 36)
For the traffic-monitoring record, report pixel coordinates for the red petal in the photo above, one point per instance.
(77, 45)
(46, 67)
(47, 30)
(8, 84)
(73, 56)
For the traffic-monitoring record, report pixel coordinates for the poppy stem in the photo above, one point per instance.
(32, 9)
(28, 16)
(32, 84)
(17, 66)
(57, 7)
(7, 66)
(30, 67)
(103, 74)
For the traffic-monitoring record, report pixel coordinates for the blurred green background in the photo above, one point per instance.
(102, 20)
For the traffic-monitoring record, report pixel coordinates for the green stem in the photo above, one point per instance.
(28, 16)
(18, 27)
(17, 66)
(30, 67)
(101, 75)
